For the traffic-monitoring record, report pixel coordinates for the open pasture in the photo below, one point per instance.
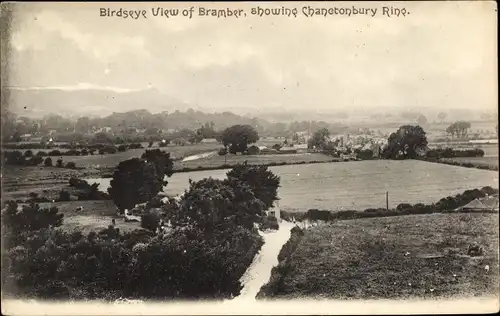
(414, 256)
(355, 185)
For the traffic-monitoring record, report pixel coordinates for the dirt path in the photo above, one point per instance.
(259, 271)
(199, 156)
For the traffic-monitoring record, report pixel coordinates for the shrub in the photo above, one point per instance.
(135, 146)
(122, 148)
(35, 160)
(28, 153)
(48, 162)
(70, 165)
(30, 218)
(41, 153)
(150, 221)
(54, 153)
(269, 223)
(315, 215)
(253, 150)
(222, 151)
(276, 146)
(403, 206)
(85, 152)
(150, 144)
(366, 154)
(59, 163)
(64, 196)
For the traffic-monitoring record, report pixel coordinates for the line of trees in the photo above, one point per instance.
(459, 129)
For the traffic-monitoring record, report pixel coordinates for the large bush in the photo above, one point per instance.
(48, 162)
(260, 179)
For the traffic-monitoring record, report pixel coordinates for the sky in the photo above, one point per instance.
(441, 54)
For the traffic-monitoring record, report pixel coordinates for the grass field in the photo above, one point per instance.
(96, 215)
(112, 160)
(356, 185)
(216, 160)
(476, 161)
(410, 256)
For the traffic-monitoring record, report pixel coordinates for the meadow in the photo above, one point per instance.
(414, 256)
(112, 160)
(218, 161)
(355, 185)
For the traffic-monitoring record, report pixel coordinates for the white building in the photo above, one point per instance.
(275, 211)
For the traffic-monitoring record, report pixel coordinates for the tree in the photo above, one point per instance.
(406, 143)
(459, 129)
(422, 120)
(137, 180)
(64, 196)
(162, 161)
(134, 181)
(238, 137)
(263, 182)
(48, 162)
(59, 163)
(319, 139)
(213, 205)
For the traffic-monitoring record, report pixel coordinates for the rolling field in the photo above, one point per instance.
(414, 256)
(112, 160)
(355, 185)
(216, 160)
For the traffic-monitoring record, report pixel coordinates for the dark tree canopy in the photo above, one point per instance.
(238, 137)
(139, 180)
(406, 143)
(162, 161)
(319, 139)
(263, 182)
(30, 217)
(212, 205)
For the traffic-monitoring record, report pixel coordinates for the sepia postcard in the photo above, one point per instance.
(249, 158)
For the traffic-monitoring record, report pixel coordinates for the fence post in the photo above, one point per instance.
(387, 200)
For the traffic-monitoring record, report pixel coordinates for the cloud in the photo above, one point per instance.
(447, 58)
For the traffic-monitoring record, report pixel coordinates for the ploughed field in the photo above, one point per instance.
(356, 185)
(424, 256)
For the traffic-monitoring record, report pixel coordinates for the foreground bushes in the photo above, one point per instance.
(185, 264)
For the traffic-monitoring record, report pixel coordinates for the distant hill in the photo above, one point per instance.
(37, 102)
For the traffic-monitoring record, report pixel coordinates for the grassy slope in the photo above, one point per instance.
(366, 258)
